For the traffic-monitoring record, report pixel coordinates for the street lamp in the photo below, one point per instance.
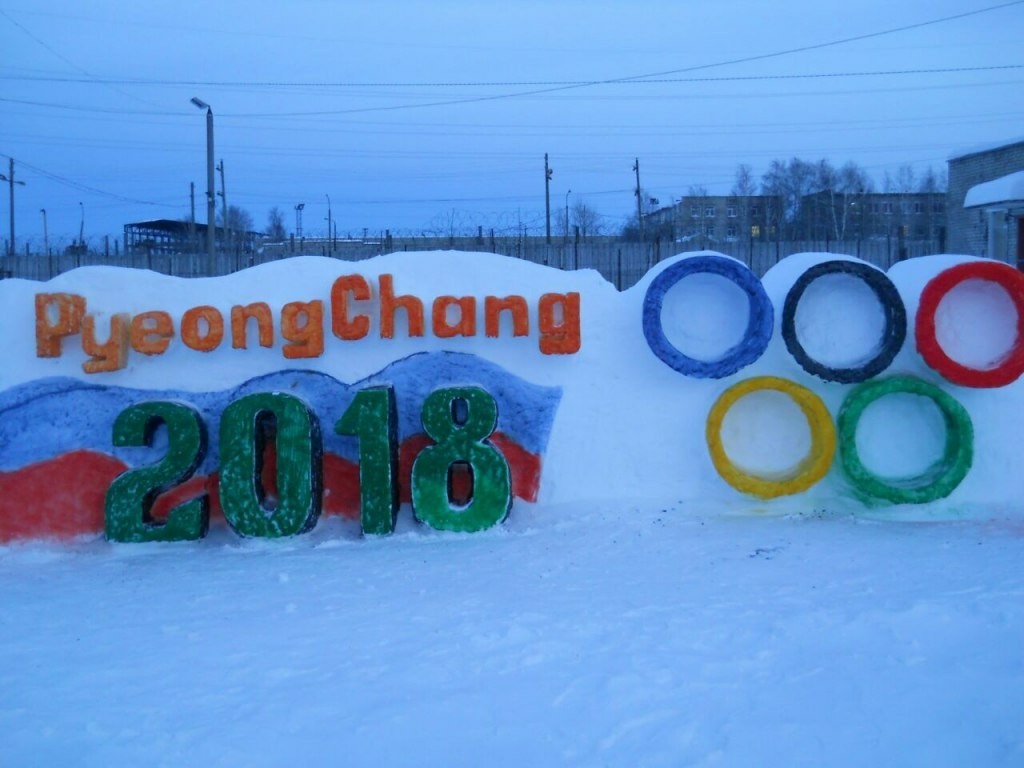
(9, 178)
(46, 233)
(81, 225)
(210, 200)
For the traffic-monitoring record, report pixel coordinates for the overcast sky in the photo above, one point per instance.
(414, 115)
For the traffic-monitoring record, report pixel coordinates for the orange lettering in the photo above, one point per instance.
(307, 338)
(493, 307)
(112, 355)
(559, 338)
(214, 328)
(389, 304)
(467, 316)
(240, 316)
(359, 326)
(69, 309)
(151, 332)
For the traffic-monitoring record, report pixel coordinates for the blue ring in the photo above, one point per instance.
(755, 338)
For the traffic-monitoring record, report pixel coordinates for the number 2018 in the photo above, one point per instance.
(459, 421)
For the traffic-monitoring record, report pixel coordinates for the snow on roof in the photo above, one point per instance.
(992, 145)
(1005, 189)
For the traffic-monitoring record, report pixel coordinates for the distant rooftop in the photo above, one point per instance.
(978, 149)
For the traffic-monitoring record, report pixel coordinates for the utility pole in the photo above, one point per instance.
(547, 198)
(9, 178)
(46, 233)
(224, 208)
(298, 220)
(330, 242)
(192, 218)
(639, 210)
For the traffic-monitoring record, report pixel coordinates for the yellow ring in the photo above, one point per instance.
(811, 468)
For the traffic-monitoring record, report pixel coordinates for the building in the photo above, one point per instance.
(984, 217)
(709, 219)
(977, 226)
(823, 217)
(917, 216)
(168, 236)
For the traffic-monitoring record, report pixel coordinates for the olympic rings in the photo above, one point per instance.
(807, 472)
(1011, 366)
(892, 337)
(941, 478)
(759, 324)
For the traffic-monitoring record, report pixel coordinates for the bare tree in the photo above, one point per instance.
(275, 225)
(586, 218)
(744, 188)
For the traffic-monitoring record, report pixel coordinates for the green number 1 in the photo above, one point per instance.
(372, 418)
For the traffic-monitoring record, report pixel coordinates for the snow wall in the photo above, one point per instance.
(468, 383)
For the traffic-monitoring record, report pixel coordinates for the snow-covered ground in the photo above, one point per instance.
(572, 635)
(641, 612)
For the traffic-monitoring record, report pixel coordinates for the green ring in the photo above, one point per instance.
(940, 479)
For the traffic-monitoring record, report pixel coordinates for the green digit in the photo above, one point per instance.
(245, 426)
(129, 501)
(459, 420)
(371, 417)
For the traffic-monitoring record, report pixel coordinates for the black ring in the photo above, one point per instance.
(892, 337)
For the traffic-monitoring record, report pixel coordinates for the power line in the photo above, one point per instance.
(486, 83)
(66, 60)
(82, 187)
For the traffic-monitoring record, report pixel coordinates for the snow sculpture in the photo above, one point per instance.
(893, 335)
(806, 473)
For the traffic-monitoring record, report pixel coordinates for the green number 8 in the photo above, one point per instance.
(459, 420)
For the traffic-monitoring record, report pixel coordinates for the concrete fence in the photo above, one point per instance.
(622, 263)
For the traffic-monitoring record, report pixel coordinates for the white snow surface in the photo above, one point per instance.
(1005, 189)
(642, 613)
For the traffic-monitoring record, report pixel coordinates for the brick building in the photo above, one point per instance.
(985, 227)
(709, 219)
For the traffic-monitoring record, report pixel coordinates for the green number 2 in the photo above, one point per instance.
(130, 498)
(459, 420)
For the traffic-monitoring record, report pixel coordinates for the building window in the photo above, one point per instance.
(918, 208)
(887, 208)
(695, 211)
(730, 211)
(874, 207)
(938, 207)
(730, 231)
(709, 211)
(709, 230)
(755, 210)
(755, 231)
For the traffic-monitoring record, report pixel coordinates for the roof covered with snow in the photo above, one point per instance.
(1004, 190)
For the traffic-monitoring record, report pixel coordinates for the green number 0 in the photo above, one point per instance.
(244, 426)
(130, 498)
(459, 420)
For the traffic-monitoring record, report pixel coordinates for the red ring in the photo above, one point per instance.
(1011, 365)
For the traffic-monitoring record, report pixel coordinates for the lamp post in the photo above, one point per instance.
(9, 178)
(211, 222)
(81, 225)
(46, 233)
